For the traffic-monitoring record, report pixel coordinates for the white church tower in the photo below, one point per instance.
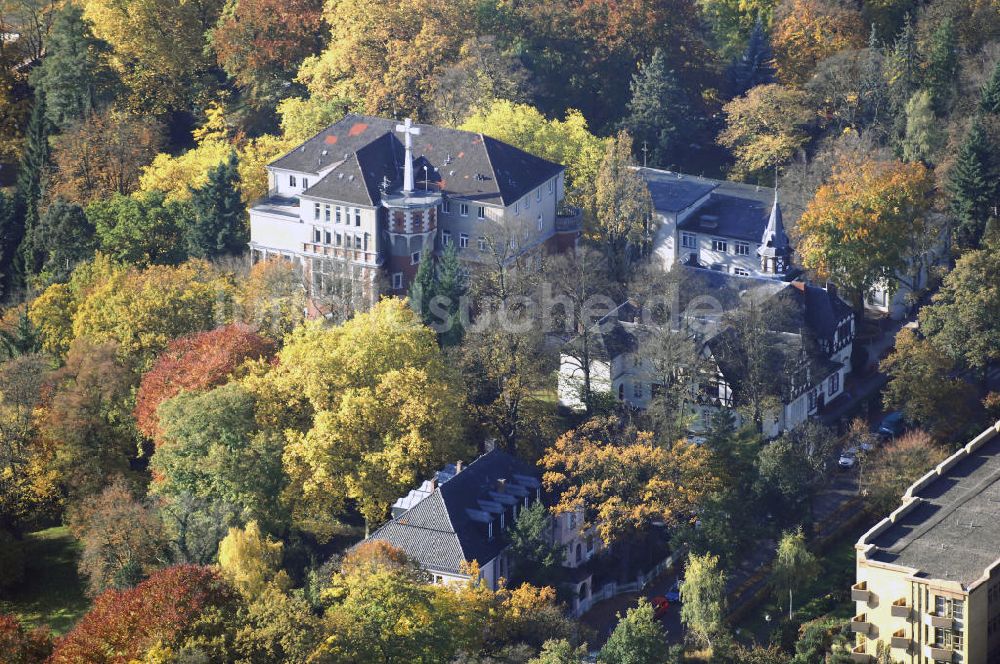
(775, 251)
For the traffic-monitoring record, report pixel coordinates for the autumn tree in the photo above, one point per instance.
(794, 565)
(251, 561)
(560, 651)
(260, 44)
(623, 480)
(862, 224)
(194, 363)
(19, 645)
(74, 76)
(703, 597)
(272, 298)
(923, 386)
(143, 310)
(158, 49)
(638, 638)
(177, 176)
(765, 128)
(963, 319)
(122, 538)
(793, 468)
(807, 31)
(142, 229)
(172, 608)
(623, 209)
(890, 470)
(369, 401)
(101, 155)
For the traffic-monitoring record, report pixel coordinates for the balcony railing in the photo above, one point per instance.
(342, 253)
(860, 592)
(859, 655)
(940, 622)
(939, 653)
(569, 219)
(900, 640)
(860, 624)
(900, 609)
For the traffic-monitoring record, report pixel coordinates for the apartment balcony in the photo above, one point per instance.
(569, 219)
(940, 622)
(859, 655)
(340, 253)
(860, 592)
(939, 654)
(860, 624)
(900, 640)
(900, 609)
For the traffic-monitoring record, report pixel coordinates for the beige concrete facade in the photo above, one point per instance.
(928, 575)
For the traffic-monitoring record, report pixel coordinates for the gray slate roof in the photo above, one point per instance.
(445, 528)
(362, 150)
(729, 216)
(953, 533)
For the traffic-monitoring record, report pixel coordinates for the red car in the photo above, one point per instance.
(660, 606)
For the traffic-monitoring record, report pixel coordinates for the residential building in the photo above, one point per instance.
(362, 203)
(811, 330)
(928, 575)
(463, 514)
(728, 227)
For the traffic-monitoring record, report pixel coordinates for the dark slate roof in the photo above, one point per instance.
(460, 163)
(673, 192)
(951, 533)
(729, 216)
(446, 528)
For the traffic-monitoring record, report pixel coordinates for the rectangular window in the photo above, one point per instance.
(741, 272)
(637, 390)
(538, 194)
(397, 280)
(338, 240)
(689, 241)
(316, 210)
(812, 400)
(446, 206)
(446, 238)
(480, 212)
(366, 241)
(742, 249)
(527, 202)
(305, 183)
(719, 267)
(415, 258)
(463, 241)
(357, 217)
(329, 239)
(463, 209)
(834, 383)
(540, 223)
(720, 245)
(482, 244)
(357, 241)
(316, 235)
(550, 186)
(291, 181)
(328, 213)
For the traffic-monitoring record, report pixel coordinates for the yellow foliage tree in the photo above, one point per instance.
(176, 176)
(253, 156)
(807, 31)
(251, 561)
(765, 128)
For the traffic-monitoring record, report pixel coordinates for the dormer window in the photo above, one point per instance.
(305, 183)
(291, 181)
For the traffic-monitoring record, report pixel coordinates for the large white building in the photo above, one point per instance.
(364, 201)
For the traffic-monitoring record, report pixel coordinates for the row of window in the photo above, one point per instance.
(690, 241)
(293, 182)
(325, 209)
(463, 240)
(324, 236)
(463, 210)
(737, 270)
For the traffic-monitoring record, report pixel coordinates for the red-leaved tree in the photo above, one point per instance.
(22, 646)
(195, 362)
(166, 610)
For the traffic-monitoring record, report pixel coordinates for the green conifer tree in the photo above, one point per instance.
(74, 75)
(755, 66)
(658, 112)
(30, 183)
(990, 100)
(424, 287)
(942, 65)
(452, 284)
(9, 223)
(218, 226)
(902, 74)
(64, 237)
(972, 188)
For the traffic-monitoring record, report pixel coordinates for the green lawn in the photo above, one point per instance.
(52, 592)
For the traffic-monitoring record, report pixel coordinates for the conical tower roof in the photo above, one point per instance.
(774, 242)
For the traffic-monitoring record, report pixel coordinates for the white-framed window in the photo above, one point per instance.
(463, 209)
(414, 258)
(742, 249)
(305, 183)
(550, 186)
(337, 212)
(538, 194)
(482, 244)
(481, 212)
(291, 181)
(446, 206)
(328, 238)
(720, 245)
(741, 272)
(463, 241)
(357, 217)
(357, 241)
(540, 223)
(446, 238)
(338, 240)
(689, 240)
(834, 383)
(316, 235)
(316, 210)
(397, 280)
(326, 213)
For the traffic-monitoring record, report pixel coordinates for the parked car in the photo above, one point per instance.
(848, 458)
(674, 594)
(660, 606)
(892, 425)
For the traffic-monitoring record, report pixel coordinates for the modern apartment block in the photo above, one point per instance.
(928, 575)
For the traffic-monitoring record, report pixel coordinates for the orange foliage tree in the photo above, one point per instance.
(807, 31)
(21, 646)
(164, 611)
(195, 362)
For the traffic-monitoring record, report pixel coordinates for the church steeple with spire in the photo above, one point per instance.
(775, 251)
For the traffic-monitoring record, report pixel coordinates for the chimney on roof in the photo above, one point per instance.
(434, 483)
(458, 466)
